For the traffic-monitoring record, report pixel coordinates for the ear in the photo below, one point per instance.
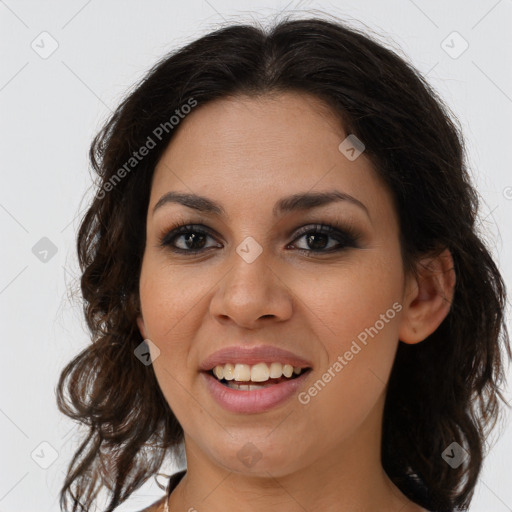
(428, 297)
(142, 327)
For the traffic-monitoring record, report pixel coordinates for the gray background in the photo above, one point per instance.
(52, 104)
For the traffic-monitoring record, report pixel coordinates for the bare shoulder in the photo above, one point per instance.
(157, 506)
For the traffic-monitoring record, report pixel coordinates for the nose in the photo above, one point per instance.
(252, 293)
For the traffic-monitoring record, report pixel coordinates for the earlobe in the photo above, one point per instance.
(428, 297)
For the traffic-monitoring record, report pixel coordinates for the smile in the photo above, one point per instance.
(236, 391)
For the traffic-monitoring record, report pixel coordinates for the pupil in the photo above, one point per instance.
(313, 236)
(193, 237)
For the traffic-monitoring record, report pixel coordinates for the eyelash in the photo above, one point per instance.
(346, 236)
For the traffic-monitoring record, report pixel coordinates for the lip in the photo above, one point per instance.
(253, 355)
(250, 402)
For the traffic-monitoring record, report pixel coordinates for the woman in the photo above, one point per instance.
(283, 277)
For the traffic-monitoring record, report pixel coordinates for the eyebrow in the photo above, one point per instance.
(301, 201)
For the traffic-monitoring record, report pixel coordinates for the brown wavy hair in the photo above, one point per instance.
(443, 390)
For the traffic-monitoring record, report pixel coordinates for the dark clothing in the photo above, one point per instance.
(174, 480)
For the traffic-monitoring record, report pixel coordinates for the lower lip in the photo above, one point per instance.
(259, 400)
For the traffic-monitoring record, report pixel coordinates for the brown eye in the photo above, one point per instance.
(192, 239)
(317, 239)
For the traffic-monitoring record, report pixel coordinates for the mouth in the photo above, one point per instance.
(260, 376)
(243, 395)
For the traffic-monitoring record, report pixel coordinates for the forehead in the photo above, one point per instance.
(242, 148)
(281, 124)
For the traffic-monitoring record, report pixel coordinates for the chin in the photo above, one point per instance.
(259, 459)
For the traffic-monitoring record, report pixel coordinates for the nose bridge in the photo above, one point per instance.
(251, 273)
(251, 289)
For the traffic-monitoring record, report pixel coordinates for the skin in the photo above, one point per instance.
(246, 153)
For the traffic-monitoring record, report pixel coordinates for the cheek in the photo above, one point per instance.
(167, 303)
(168, 297)
(167, 308)
(356, 318)
(349, 297)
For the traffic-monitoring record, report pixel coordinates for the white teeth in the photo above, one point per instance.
(242, 372)
(247, 387)
(229, 371)
(288, 370)
(260, 372)
(276, 370)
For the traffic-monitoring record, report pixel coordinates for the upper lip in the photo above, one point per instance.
(253, 355)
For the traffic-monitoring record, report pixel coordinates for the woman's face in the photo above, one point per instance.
(261, 280)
